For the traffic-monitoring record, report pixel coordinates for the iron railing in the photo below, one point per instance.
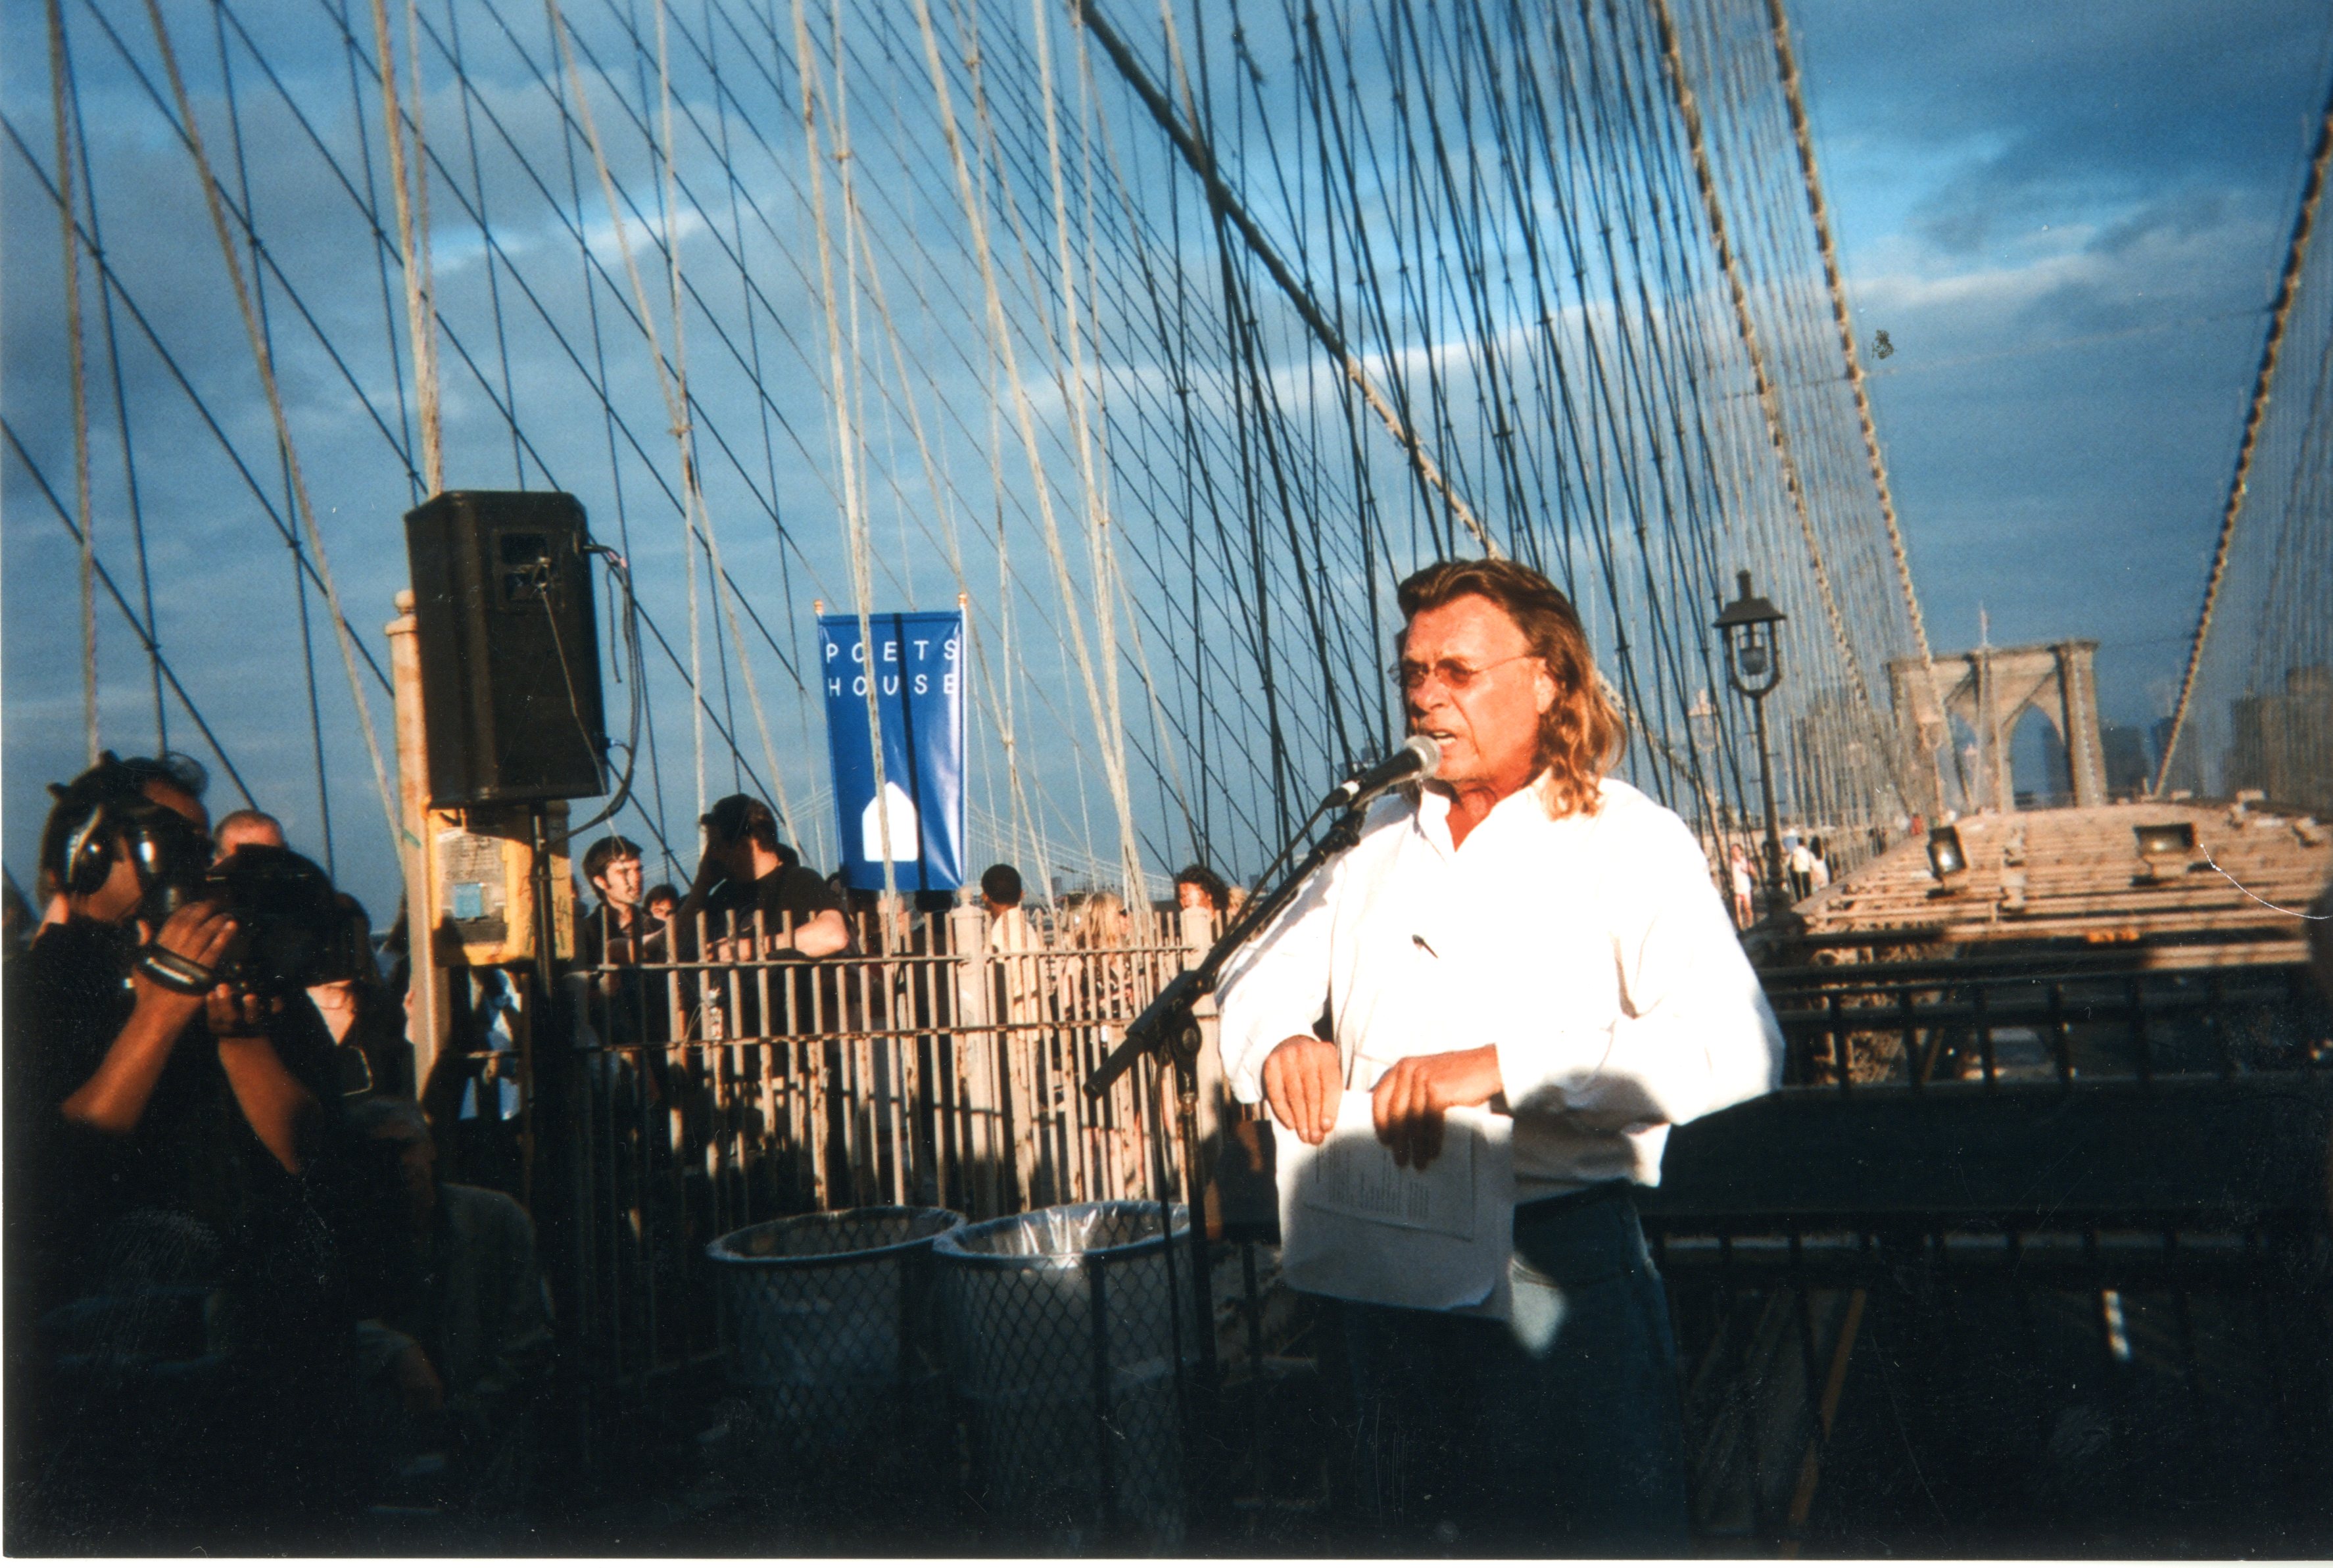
(1936, 1386)
(723, 1084)
(2017, 1233)
(2043, 1017)
(2030, 1254)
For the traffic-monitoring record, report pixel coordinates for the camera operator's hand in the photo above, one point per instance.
(114, 1098)
(198, 933)
(239, 1015)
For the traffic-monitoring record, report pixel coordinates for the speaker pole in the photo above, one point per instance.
(554, 1143)
(546, 985)
(418, 857)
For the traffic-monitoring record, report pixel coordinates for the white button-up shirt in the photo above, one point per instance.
(1592, 952)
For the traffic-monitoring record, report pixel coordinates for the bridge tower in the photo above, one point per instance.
(1989, 690)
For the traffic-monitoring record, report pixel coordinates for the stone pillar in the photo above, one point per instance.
(1999, 790)
(425, 1028)
(1921, 723)
(2078, 690)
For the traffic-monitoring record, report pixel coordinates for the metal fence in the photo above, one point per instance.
(2030, 1256)
(2033, 1389)
(937, 1061)
(2061, 1017)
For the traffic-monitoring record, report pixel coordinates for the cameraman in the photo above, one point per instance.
(173, 1336)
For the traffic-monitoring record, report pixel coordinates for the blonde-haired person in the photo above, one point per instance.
(1744, 881)
(1526, 934)
(1097, 924)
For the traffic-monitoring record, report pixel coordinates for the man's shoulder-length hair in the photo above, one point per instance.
(1580, 736)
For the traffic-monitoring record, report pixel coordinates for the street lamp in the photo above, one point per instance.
(1753, 663)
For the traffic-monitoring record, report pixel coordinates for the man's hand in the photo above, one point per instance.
(1303, 1080)
(1409, 1100)
(711, 866)
(114, 1098)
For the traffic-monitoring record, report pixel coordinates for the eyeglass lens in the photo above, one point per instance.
(1453, 675)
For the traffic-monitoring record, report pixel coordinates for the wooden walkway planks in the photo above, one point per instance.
(2083, 878)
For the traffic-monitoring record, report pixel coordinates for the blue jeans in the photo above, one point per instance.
(1559, 1431)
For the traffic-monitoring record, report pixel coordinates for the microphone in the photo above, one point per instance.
(1417, 759)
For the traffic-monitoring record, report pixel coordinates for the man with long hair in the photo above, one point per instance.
(1524, 934)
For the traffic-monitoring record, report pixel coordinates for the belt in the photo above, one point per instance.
(1615, 1190)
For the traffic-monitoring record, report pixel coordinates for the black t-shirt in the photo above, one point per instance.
(787, 899)
(790, 892)
(192, 1151)
(634, 1010)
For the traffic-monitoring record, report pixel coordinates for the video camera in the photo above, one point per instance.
(292, 930)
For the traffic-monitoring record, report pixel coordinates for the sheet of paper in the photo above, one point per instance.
(1357, 1177)
(1355, 1225)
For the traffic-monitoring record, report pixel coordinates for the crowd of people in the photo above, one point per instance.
(248, 1305)
(753, 902)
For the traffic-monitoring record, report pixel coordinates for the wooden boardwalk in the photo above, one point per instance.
(2076, 874)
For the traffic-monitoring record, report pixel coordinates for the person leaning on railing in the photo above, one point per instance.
(1011, 940)
(745, 872)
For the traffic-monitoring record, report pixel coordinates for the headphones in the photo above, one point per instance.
(105, 811)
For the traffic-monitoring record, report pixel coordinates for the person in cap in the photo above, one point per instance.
(747, 871)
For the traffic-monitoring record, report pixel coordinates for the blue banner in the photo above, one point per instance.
(916, 662)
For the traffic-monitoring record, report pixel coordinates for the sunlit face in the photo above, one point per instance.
(1480, 694)
(1190, 895)
(619, 882)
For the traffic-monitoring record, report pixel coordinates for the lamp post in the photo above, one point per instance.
(1753, 663)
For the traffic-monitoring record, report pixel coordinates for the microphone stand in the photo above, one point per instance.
(1167, 1031)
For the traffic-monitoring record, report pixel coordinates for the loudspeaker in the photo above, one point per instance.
(510, 654)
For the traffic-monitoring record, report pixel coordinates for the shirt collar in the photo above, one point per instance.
(1431, 821)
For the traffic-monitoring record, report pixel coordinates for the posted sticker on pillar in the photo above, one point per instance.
(915, 662)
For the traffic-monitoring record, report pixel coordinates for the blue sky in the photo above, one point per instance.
(2069, 220)
(2066, 219)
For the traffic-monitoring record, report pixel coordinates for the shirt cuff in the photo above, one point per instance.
(1543, 1075)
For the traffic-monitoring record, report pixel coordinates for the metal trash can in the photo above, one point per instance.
(1063, 1331)
(829, 1333)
